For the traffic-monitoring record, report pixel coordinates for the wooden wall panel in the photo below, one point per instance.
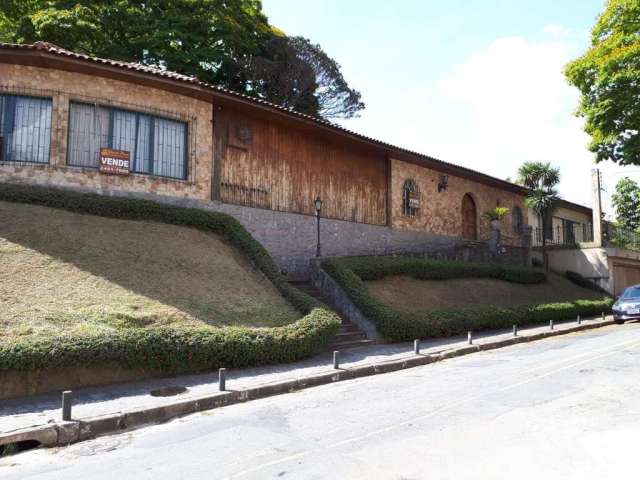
(268, 165)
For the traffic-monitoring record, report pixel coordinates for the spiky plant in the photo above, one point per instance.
(542, 181)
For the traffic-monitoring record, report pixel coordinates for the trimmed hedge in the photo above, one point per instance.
(172, 349)
(396, 325)
(375, 268)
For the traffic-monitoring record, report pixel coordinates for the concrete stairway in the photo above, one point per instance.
(349, 335)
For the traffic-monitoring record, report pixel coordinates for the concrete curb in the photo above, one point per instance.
(65, 433)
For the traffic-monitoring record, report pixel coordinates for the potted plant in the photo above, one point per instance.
(495, 216)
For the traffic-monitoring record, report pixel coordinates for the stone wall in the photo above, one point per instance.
(441, 212)
(64, 87)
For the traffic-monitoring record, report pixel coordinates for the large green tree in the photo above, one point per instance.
(626, 201)
(608, 76)
(541, 179)
(224, 42)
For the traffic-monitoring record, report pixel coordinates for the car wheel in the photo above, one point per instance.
(618, 321)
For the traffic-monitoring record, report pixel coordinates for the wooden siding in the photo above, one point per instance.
(267, 165)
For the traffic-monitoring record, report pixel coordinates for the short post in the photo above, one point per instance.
(579, 320)
(470, 337)
(222, 379)
(336, 359)
(551, 324)
(416, 346)
(66, 405)
(603, 317)
(515, 330)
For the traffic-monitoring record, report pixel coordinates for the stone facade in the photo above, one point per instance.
(289, 237)
(440, 213)
(64, 87)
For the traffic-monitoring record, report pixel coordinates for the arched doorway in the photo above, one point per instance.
(469, 218)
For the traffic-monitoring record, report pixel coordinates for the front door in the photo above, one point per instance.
(469, 218)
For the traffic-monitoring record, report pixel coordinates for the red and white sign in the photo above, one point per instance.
(115, 162)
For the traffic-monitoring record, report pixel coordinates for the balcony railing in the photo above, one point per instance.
(563, 235)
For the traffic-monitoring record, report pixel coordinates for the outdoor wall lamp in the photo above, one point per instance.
(318, 205)
(442, 184)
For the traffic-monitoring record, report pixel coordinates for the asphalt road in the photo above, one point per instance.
(566, 408)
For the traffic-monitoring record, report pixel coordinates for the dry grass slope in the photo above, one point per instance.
(410, 294)
(66, 272)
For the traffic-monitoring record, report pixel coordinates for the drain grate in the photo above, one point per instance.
(167, 391)
(17, 447)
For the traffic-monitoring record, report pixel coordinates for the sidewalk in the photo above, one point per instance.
(23, 414)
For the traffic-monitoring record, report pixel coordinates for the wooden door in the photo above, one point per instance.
(469, 218)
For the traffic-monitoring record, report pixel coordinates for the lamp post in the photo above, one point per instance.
(318, 204)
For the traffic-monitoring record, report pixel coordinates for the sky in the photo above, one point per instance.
(477, 83)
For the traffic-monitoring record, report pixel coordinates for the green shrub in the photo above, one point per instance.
(375, 268)
(396, 325)
(172, 349)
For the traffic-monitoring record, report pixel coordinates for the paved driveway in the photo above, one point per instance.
(567, 408)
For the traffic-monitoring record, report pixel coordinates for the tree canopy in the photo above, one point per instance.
(608, 76)
(626, 201)
(224, 42)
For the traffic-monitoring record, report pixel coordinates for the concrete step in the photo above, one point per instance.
(349, 337)
(353, 344)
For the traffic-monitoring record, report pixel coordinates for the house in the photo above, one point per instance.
(89, 124)
(570, 224)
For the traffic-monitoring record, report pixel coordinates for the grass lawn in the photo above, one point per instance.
(409, 294)
(62, 272)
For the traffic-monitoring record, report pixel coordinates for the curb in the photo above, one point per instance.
(67, 432)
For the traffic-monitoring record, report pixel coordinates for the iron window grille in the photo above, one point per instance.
(25, 128)
(409, 190)
(158, 145)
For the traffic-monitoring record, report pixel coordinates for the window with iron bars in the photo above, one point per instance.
(25, 129)
(158, 146)
(409, 190)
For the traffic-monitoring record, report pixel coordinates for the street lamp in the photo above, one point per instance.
(318, 204)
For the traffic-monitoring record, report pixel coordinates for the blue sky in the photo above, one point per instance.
(476, 82)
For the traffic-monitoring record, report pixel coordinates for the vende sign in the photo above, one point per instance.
(116, 162)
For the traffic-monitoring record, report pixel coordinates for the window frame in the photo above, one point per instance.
(517, 226)
(153, 116)
(409, 185)
(4, 143)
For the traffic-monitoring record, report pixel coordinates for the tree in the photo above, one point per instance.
(608, 76)
(626, 201)
(541, 179)
(295, 73)
(229, 43)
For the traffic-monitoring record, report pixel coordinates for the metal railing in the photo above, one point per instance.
(562, 235)
(615, 236)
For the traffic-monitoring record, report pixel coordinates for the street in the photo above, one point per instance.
(566, 407)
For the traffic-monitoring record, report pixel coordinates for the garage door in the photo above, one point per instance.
(624, 276)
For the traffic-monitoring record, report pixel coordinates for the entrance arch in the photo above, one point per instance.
(469, 218)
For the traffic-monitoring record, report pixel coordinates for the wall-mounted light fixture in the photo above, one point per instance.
(443, 183)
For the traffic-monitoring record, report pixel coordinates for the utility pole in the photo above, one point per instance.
(596, 180)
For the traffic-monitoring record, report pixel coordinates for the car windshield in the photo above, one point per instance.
(631, 292)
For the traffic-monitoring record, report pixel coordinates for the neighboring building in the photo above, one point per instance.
(570, 224)
(196, 144)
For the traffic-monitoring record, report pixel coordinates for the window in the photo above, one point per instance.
(516, 220)
(158, 146)
(410, 198)
(25, 129)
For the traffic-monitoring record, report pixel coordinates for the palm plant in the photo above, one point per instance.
(541, 179)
